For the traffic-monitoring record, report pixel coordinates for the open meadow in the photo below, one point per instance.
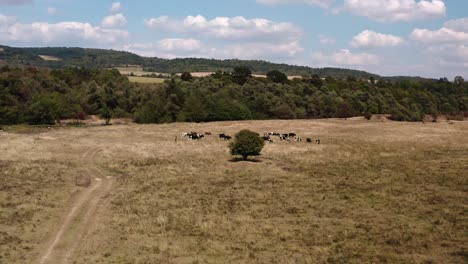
(372, 192)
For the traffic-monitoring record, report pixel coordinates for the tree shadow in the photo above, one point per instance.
(247, 160)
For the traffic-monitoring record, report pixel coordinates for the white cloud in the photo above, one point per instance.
(179, 44)
(396, 10)
(320, 3)
(450, 54)
(52, 11)
(176, 48)
(63, 33)
(325, 40)
(371, 39)
(116, 7)
(114, 20)
(345, 57)
(234, 28)
(453, 31)
(260, 50)
(460, 25)
(443, 35)
(5, 20)
(15, 2)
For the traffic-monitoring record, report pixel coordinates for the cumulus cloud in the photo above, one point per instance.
(51, 11)
(63, 33)
(116, 7)
(453, 31)
(396, 10)
(320, 3)
(460, 24)
(345, 57)
(176, 48)
(232, 28)
(450, 54)
(114, 20)
(371, 39)
(179, 44)
(447, 47)
(15, 2)
(325, 40)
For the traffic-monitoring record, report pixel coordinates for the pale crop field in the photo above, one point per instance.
(49, 58)
(371, 192)
(137, 79)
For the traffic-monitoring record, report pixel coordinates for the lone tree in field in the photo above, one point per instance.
(105, 114)
(246, 143)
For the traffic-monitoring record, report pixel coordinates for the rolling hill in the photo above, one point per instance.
(60, 57)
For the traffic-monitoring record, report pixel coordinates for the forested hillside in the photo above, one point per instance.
(99, 58)
(39, 96)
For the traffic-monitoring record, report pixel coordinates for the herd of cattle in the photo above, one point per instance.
(288, 137)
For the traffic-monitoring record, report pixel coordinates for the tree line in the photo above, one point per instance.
(41, 96)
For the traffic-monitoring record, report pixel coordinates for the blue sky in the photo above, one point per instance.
(389, 37)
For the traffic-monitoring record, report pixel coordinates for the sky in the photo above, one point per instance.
(427, 38)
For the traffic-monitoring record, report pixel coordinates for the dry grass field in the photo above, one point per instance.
(372, 192)
(138, 79)
(49, 58)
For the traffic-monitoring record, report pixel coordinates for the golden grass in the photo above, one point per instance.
(138, 79)
(49, 58)
(372, 192)
(137, 71)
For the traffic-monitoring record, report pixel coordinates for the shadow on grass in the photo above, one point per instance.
(242, 160)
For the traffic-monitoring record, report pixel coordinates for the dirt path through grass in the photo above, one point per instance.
(77, 223)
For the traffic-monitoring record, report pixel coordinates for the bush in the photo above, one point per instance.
(247, 143)
(45, 110)
(186, 76)
(105, 114)
(368, 116)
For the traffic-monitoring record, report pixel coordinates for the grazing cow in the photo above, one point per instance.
(284, 137)
(208, 133)
(197, 136)
(222, 135)
(227, 137)
(292, 134)
(267, 138)
(298, 139)
(317, 141)
(309, 140)
(193, 136)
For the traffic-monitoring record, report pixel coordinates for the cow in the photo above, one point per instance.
(227, 137)
(193, 136)
(208, 133)
(317, 141)
(267, 138)
(222, 135)
(292, 134)
(284, 137)
(309, 140)
(298, 139)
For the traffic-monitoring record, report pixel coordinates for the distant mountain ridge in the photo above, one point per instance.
(60, 57)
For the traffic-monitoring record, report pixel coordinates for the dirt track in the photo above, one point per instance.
(77, 223)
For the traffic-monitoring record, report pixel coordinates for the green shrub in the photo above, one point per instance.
(247, 143)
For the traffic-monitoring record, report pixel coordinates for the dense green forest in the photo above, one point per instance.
(99, 58)
(41, 96)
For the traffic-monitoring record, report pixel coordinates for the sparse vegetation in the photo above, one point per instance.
(371, 192)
